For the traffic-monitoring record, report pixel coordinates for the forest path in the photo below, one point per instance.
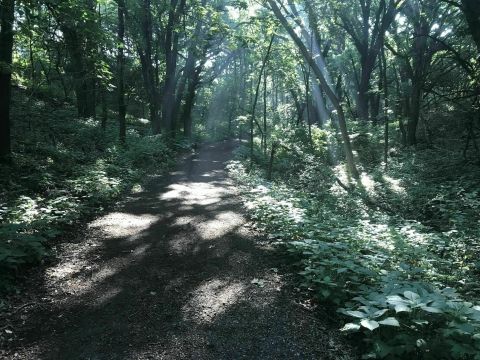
(168, 275)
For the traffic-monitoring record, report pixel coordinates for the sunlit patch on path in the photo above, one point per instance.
(212, 299)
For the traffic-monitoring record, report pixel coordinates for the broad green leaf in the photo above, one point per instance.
(379, 313)
(350, 327)
(410, 295)
(357, 314)
(369, 324)
(402, 308)
(431, 309)
(390, 321)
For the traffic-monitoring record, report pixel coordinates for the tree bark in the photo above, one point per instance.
(186, 117)
(81, 47)
(146, 62)
(385, 106)
(171, 55)
(7, 14)
(121, 69)
(328, 91)
(368, 38)
(257, 91)
(471, 9)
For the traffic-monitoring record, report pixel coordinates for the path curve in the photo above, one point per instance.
(173, 273)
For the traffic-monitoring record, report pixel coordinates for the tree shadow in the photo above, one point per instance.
(168, 275)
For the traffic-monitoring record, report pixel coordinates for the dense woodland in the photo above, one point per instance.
(357, 125)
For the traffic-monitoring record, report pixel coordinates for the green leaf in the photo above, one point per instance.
(357, 314)
(410, 295)
(402, 308)
(379, 313)
(390, 321)
(431, 309)
(421, 343)
(369, 324)
(350, 327)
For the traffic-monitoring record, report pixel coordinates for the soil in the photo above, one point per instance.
(175, 271)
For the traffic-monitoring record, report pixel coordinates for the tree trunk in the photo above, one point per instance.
(146, 61)
(326, 87)
(257, 90)
(103, 99)
(386, 104)
(121, 69)
(420, 47)
(7, 12)
(362, 95)
(471, 9)
(265, 111)
(171, 54)
(189, 104)
(83, 84)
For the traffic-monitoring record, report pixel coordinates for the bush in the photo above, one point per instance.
(64, 170)
(393, 280)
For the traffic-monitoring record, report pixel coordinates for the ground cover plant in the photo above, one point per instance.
(63, 171)
(387, 255)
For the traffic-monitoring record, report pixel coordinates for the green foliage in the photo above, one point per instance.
(64, 170)
(18, 246)
(392, 279)
(421, 321)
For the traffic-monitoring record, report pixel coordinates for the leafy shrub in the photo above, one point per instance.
(392, 279)
(63, 170)
(408, 319)
(18, 246)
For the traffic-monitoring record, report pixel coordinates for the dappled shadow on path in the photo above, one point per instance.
(168, 275)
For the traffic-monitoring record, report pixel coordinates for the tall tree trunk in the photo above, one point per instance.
(171, 54)
(257, 91)
(420, 47)
(363, 89)
(386, 104)
(471, 9)
(7, 12)
(91, 49)
(103, 99)
(146, 62)
(326, 87)
(265, 111)
(186, 117)
(81, 72)
(120, 69)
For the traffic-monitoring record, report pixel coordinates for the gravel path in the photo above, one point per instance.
(175, 272)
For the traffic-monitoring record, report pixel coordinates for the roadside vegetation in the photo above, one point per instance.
(65, 170)
(395, 254)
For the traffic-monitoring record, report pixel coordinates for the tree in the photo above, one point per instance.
(253, 120)
(471, 9)
(7, 11)
(326, 87)
(121, 71)
(366, 23)
(170, 51)
(417, 60)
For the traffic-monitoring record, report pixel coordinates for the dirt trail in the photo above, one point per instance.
(168, 275)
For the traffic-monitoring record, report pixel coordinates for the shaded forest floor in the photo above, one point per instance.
(174, 272)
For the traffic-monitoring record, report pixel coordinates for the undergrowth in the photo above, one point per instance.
(397, 256)
(63, 170)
